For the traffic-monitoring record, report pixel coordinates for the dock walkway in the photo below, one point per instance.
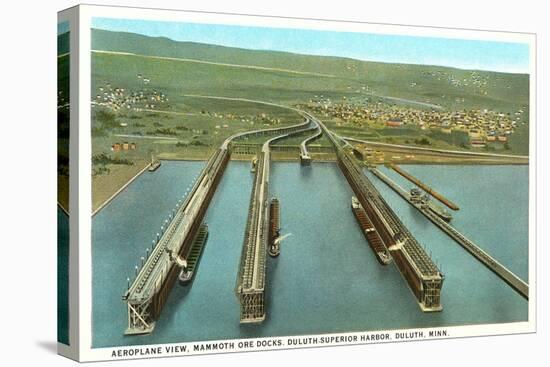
(250, 285)
(153, 281)
(305, 156)
(417, 268)
(510, 278)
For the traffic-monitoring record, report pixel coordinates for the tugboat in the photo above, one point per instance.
(275, 248)
(442, 213)
(416, 195)
(154, 165)
(185, 275)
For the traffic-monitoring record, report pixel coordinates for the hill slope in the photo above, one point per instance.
(434, 84)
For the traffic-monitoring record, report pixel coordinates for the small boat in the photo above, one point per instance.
(442, 213)
(154, 165)
(425, 203)
(185, 276)
(436, 209)
(274, 250)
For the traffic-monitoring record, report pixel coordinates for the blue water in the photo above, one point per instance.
(62, 277)
(488, 197)
(326, 278)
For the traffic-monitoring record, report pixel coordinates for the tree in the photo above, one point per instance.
(106, 119)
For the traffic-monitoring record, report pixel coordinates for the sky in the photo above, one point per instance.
(464, 54)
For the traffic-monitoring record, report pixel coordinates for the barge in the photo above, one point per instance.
(190, 265)
(424, 201)
(274, 228)
(369, 231)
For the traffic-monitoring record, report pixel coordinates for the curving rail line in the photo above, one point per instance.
(305, 157)
(148, 292)
(250, 285)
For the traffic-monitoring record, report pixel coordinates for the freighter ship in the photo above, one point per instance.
(373, 238)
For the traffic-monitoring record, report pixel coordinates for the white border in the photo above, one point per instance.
(86, 12)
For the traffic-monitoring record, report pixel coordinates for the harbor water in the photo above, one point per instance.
(62, 276)
(326, 278)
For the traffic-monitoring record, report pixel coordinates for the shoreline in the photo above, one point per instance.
(118, 191)
(427, 150)
(453, 162)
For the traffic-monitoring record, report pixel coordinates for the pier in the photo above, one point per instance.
(449, 156)
(250, 286)
(424, 187)
(423, 203)
(154, 279)
(153, 282)
(419, 271)
(305, 157)
(500, 270)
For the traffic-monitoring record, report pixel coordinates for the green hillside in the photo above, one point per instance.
(448, 87)
(176, 71)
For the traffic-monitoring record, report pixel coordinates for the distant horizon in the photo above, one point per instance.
(475, 55)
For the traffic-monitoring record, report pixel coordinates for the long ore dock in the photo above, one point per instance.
(250, 285)
(148, 292)
(422, 275)
(491, 263)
